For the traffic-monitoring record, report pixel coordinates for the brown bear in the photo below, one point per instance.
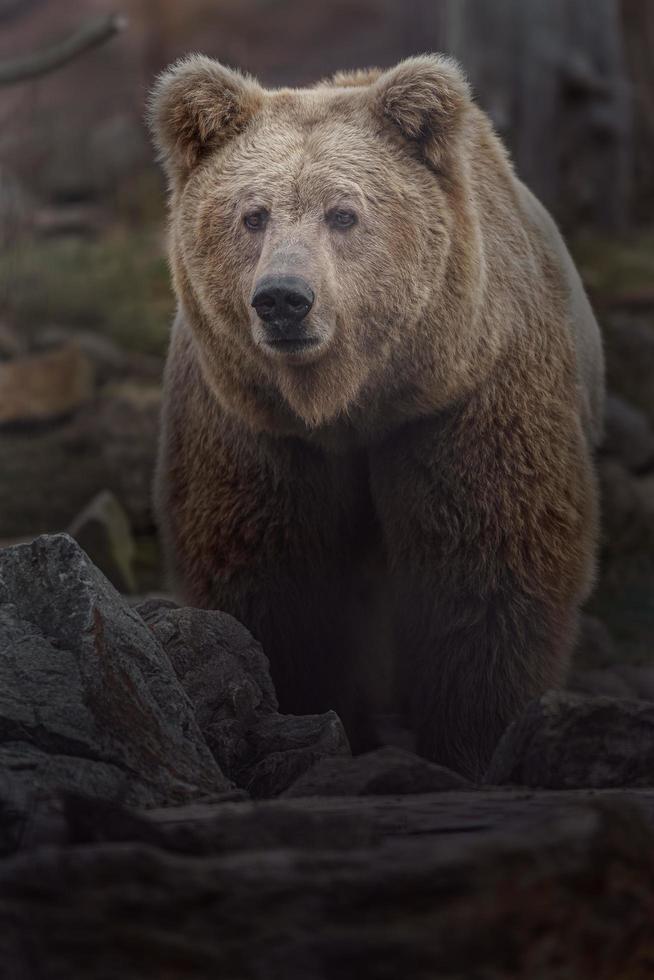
(382, 393)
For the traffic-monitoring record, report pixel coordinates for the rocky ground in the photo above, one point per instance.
(159, 816)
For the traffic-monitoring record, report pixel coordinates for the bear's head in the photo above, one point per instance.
(323, 243)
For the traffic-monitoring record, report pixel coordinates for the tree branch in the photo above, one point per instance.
(88, 36)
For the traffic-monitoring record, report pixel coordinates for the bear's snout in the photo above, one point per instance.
(282, 302)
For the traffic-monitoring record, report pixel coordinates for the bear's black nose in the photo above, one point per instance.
(283, 302)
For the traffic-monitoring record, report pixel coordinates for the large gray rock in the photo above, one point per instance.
(388, 770)
(88, 698)
(223, 670)
(563, 741)
(226, 675)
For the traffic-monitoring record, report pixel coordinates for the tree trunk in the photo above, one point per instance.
(638, 26)
(552, 77)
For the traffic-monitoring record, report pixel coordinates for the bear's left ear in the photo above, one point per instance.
(426, 99)
(195, 106)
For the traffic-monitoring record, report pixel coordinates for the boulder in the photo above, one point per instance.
(566, 741)
(102, 530)
(226, 675)
(388, 770)
(48, 476)
(285, 746)
(88, 699)
(41, 387)
(223, 670)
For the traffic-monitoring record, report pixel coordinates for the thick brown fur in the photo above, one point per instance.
(432, 460)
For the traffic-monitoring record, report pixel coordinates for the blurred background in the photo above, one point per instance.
(85, 301)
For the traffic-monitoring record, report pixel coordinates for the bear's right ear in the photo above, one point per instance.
(195, 106)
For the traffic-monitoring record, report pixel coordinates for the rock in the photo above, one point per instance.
(103, 531)
(388, 770)
(563, 894)
(226, 825)
(223, 671)
(226, 675)
(41, 387)
(88, 699)
(285, 746)
(110, 362)
(109, 445)
(128, 418)
(628, 435)
(63, 817)
(563, 741)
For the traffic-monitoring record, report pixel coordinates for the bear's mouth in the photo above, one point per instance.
(295, 345)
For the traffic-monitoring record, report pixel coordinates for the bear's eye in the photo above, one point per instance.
(256, 220)
(341, 218)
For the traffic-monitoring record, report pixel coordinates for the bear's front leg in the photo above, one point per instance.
(267, 529)
(489, 526)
